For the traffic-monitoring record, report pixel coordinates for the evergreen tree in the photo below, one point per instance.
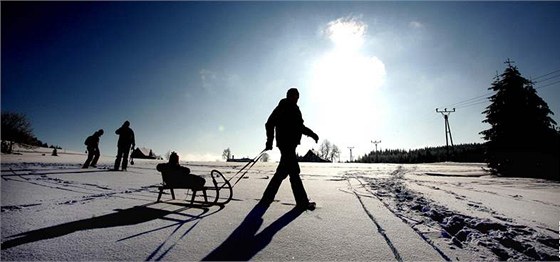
(522, 140)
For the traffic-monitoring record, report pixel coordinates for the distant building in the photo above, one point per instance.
(143, 153)
(311, 157)
(245, 159)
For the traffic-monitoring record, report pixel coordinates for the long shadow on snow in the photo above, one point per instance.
(124, 217)
(244, 242)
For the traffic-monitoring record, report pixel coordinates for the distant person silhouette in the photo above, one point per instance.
(92, 145)
(286, 119)
(179, 175)
(125, 143)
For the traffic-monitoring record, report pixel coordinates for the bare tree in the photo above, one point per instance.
(324, 149)
(328, 151)
(226, 154)
(16, 129)
(335, 153)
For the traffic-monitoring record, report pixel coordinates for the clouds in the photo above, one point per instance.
(213, 82)
(346, 32)
(415, 25)
(208, 79)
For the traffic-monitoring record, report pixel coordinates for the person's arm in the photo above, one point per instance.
(308, 132)
(269, 126)
(185, 170)
(160, 167)
(133, 141)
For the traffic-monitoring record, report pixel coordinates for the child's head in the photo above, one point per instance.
(174, 158)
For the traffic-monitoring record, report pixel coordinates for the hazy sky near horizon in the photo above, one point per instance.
(199, 77)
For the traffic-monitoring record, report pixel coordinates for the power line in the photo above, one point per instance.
(470, 100)
(558, 70)
(482, 98)
(550, 78)
(477, 102)
(547, 79)
(473, 104)
(549, 84)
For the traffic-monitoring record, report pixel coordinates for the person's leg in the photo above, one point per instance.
(118, 160)
(126, 151)
(95, 157)
(194, 181)
(89, 158)
(276, 180)
(295, 180)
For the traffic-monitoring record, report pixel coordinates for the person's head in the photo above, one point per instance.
(174, 158)
(126, 123)
(99, 132)
(293, 95)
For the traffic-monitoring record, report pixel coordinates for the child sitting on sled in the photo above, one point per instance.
(175, 174)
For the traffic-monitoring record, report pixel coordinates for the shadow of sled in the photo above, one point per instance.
(244, 242)
(123, 217)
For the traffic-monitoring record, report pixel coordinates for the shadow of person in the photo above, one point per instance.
(131, 216)
(244, 242)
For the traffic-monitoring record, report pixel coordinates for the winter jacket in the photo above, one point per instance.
(176, 175)
(288, 122)
(126, 137)
(92, 141)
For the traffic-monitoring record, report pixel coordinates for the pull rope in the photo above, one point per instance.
(247, 167)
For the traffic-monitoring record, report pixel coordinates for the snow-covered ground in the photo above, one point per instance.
(54, 210)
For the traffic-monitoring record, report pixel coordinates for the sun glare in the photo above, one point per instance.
(345, 83)
(346, 33)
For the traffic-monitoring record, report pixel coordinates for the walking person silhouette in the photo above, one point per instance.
(92, 144)
(287, 120)
(125, 143)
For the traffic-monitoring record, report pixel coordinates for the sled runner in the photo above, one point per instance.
(221, 191)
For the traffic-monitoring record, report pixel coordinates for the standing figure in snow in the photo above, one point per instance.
(286, 119)
(92, 145)
(125, 143)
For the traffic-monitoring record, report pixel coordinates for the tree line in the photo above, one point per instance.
(473, 153)
(17, 129)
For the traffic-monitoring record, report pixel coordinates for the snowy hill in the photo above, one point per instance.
(54, 210)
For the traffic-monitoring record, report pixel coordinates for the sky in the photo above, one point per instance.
(200, 77)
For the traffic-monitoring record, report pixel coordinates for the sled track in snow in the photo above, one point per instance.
(503, 239)
(407, 221)
(380, 229)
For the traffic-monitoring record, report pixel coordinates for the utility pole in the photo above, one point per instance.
(351, 147)
(445, 113)
(376, 142)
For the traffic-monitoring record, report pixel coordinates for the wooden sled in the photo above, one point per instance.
(221, 191)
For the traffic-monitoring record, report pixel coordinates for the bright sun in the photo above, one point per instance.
(346, 34)
(345, 84)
